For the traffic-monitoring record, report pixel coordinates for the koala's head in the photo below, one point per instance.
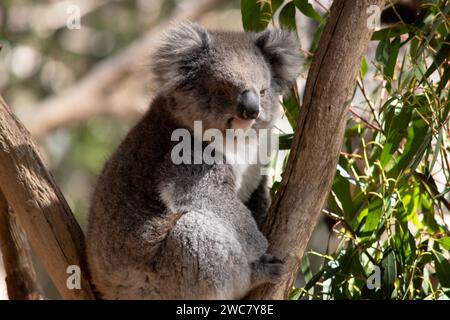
(226, 79)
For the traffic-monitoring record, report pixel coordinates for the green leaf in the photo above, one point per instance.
(441, 56)
(409, 206)
(305, 267)
(396, 126)
(404, 243)
(444, 242)
(393, 49)
(436, 150)
(276, 4)
(431, 29)
(389, 271)
(255, 16)
(386, 54)
(292, 109)
(316, 36)
(371, 225)
(336, 270)
(308, 10)
(341, 189)
(418, 138)
(442, 267)
(364, 67)
(386, 33)
(287, 17)
(312, 282)
(285, 141)
(295, 294)
(427, 208)
(444, 79)
(382, 52)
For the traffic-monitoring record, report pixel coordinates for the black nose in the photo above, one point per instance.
(248, 107)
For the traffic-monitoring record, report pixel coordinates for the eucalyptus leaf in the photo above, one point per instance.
(287, 17)
(442, 267)
(389, 273)
(307, 9)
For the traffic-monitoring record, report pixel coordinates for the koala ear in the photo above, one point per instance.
(281, 50)
(178, 56)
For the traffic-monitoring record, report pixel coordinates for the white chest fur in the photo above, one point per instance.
(245, 162)
(247, 179)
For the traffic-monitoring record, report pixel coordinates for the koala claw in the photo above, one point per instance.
(268, 268)
(268, 258)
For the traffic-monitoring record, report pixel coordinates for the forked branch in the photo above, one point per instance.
(39, 206)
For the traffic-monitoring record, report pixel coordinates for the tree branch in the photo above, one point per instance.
(318, 140)
(95, 94)
(20, 275)
(39, 205)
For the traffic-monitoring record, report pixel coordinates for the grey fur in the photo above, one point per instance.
(163, 231)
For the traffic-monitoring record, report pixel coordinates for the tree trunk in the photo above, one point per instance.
(20, 275)
(39, 205)
(317, 142)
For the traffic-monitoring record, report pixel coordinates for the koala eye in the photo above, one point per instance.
(220, 92)
(262, 93)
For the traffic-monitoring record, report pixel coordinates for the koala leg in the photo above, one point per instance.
(215, 250)
(202, 258)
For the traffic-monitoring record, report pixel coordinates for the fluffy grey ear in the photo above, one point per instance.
(281, 50)
(177, 58)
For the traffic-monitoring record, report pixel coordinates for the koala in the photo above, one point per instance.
(160, 230)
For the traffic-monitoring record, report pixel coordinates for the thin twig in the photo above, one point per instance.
(365, 121)
(369, 103)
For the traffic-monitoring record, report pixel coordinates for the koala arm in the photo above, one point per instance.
(190, 187)
(259, 202)
(204, 188)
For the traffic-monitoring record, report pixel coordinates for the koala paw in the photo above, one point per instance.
(268, 258)
(268, 268)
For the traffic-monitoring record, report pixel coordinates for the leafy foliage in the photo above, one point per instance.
(389, 199)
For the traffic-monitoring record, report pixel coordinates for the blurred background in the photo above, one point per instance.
(76, 73)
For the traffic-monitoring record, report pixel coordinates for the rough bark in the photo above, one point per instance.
(20, 275)
(317, 142)
(39, 205)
